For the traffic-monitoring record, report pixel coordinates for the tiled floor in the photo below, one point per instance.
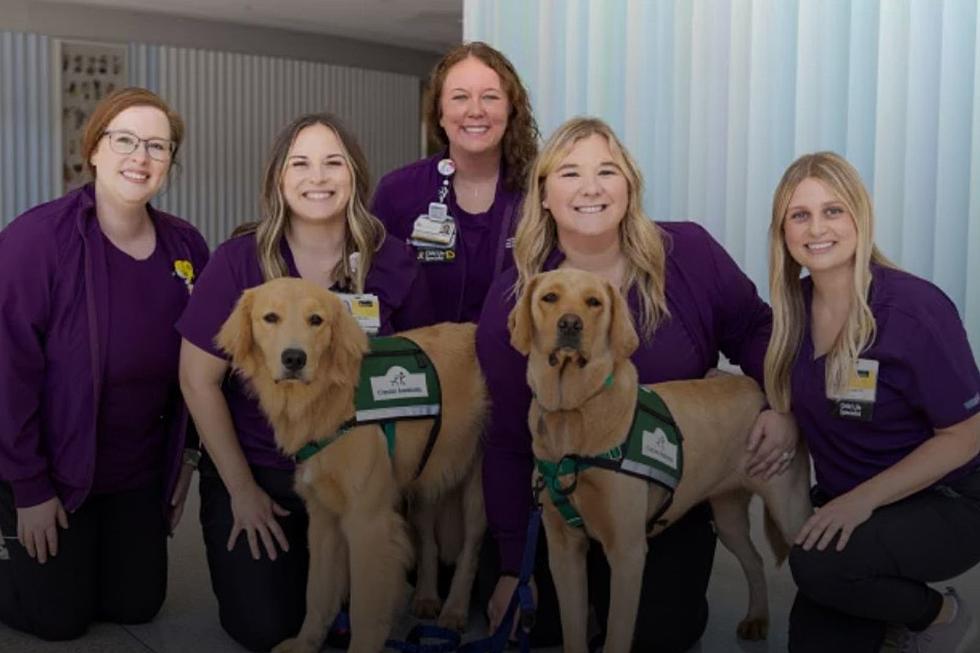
(188, 622)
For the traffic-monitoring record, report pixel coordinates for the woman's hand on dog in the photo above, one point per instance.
(773, 436)
(37, 528)
(255, 514)
(842, 515)
(500, 599)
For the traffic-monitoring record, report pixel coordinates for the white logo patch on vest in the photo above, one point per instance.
(398, 383)
(657, 446)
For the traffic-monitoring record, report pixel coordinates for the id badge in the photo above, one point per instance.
(434, 235)
(858, 400)
(366, 309)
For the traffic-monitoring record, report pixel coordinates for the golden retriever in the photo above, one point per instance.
(302, 351)
(576, 330)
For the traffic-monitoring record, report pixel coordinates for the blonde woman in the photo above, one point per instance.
(876, 367)
(314, 225)
(689, 301)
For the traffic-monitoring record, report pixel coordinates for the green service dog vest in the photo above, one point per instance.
(397, 382)
(652, 451)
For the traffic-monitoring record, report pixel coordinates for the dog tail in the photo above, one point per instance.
(777, 541)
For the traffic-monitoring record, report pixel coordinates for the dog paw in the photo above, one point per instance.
(425, 607)
(453, 620)
(753, 629)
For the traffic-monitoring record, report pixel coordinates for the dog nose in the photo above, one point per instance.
(569, 324)
(294, 359)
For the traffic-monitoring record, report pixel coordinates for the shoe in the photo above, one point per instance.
(942, 638)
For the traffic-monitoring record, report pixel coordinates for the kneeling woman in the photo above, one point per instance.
(91, 420)
(876, 367)
(689, 301)
(315, 225)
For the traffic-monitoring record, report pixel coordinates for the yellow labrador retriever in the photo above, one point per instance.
(576, 330)
(302, 352)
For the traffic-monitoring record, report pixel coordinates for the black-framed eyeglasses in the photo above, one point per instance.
(124, 142)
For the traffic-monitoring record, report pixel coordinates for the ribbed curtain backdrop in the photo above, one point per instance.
(233, 106)
(715, 98)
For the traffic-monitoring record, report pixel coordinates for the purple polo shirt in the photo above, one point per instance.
(713, 308)
(140, 372)
(394, 277)
(927, 380)
(482, 242)
(54, 334)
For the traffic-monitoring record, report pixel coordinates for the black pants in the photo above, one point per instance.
(847, 598)
(260, 602)
(111, 566)
(673, 610)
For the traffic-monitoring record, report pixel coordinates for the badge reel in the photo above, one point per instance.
(434, 232)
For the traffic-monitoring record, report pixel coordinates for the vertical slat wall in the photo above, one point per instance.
(233, 105)
(28, 174)
(715, 98)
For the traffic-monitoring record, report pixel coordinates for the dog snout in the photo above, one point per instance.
(294, 359)
(569, 324)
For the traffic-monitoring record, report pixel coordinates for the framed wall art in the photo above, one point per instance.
(87, 73)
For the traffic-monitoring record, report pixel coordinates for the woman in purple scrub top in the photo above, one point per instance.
(689, 301)
(314, 225)
(459, 208)
(93, 474)
(875, 365)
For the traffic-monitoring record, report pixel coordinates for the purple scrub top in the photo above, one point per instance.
(484, 241)
(713, 308)
(394, 277)
(54, 335)
(927, 380)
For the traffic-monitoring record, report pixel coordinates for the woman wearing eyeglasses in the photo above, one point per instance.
(92, 423)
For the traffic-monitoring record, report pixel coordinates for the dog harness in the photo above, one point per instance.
(398, 381)
(652, 451)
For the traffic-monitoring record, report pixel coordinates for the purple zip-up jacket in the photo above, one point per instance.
(53, 330)
(713, 307)
(484, 241)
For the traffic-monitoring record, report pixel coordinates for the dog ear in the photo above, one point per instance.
(235, 336)
(622, 335)
(519, 320)
(349, 343)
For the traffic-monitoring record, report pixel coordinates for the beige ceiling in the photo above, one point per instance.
(430, 25)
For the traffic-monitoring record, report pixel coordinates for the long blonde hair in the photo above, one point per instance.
(365, 232)
(640, 239)
(789, 313)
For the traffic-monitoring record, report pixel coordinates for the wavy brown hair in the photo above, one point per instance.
(640, 239)
(520, 142)
(843, 181)
(364, 231)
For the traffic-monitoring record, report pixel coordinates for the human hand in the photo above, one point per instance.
(842, 515)
(37, 528)
(255, 514)
(772, 444)
(500, 599)
(179, 497)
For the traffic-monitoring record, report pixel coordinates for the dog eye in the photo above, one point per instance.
(315, 320)
(271, 318)
(592, 301)
(551, 298)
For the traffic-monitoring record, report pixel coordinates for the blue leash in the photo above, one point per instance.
(521, 598)
(497, 642)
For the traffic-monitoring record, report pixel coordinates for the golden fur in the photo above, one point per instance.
(573, 413)
(358, 540)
